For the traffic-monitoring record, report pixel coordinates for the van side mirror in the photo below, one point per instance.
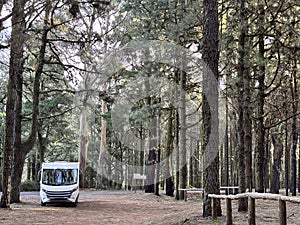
(39, 176)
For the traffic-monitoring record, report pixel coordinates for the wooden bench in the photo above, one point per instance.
(191, 190)
(227, 189)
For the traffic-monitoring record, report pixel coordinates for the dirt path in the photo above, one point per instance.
(118, 208)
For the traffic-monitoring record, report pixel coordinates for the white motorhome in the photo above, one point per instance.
(59, 182)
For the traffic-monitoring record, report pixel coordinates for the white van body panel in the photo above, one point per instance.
(59, 182)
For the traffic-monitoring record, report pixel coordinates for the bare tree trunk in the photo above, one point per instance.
(260, 149)
(83, 144)
(101, 160)
(13, 97)
(183, 162)
(191, 172)
(243, 202)
(142, 154)
(177, 153)
(21, 150)
(295, 99)
(150, 164)
(276, 167)
(210, 58)
(287, 152)
(42, 144)
(169, 150)
(157, 155)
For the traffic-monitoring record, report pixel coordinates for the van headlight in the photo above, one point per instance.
(74, 190)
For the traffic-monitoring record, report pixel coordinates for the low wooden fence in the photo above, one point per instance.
(227, 189)
(251, 205)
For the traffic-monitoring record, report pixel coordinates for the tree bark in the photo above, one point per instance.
(242, 73)
(83, 144)
(150, 164)
(287, 152)
(276, 167)
(21, 150)
(183, 162)
(13, 96)
(102, 152)
(260, 148)
(210, 124)
(295, 99)
(169, 150)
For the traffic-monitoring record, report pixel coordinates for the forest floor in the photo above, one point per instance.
(134, 208)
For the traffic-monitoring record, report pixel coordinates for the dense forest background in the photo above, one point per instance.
(54, 104)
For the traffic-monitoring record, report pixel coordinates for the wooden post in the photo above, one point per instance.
(251, 211)
(282, 212)
(213, 208)
(228, 211)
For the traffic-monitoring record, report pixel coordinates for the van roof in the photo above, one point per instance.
(61, 165)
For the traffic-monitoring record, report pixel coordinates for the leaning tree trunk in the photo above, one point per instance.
(210, 109)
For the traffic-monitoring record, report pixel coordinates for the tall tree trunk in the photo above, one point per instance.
(248, 121)
(226, 145)
(183, 165)
(102, 152)
(191, 172)
(142, 154)
(210, 109)
(21, 151)
(266, 162)
(150, 164)
(13, 93)
(243, 202)
(157, 155)
(260, 149)
(169, 150)
(276, 167)
(42, 144)
(177, 155)
(287, 152)
(83, 143)
(295, 99)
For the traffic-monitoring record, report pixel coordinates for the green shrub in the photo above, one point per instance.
(30, 185)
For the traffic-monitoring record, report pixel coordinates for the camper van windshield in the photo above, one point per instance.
(58, 177)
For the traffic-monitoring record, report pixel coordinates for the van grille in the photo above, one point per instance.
(58, 194)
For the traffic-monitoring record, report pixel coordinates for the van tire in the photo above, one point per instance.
(43, 203)
(74, 204)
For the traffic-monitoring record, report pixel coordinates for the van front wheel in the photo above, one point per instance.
(43, 203)
(74, 204)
